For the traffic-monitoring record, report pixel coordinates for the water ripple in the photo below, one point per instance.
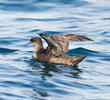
(22, 78)
(7, 51)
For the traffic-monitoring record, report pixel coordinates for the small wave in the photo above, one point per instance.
(82, 51)
(7, 50)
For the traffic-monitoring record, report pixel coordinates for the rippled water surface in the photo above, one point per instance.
(21, 78)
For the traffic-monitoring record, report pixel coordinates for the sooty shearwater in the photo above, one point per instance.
(55, 52)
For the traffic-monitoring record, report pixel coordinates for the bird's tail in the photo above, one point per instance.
(77, 59)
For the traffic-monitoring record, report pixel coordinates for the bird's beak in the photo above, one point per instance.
(29, 43)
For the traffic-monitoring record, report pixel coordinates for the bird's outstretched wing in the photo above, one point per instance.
(74, 37)
(54, 47)
(58, 43)
(63, 39)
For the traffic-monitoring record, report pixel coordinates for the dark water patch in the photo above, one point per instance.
(6, 42)
(83, 86)
(42, 90)
(34, 19)
(75, 3)
(2, 98)
(85, 52)
(9, 40)
(24, 7)
(67, 19)
(1, 26)
(92, 61)
(16, 84)
(72, 72)
(41, 93)
(51, 32)
(25, 19)
(105, 33)
(106, 19)
(13, 5)
(34, 30)
(105, 58)
(7, 51)
(46, 84)
(71, 27)
(10, 94)
(106, 86)
(105, 41)
(75, 84)
(81, 52)
(42, 5)
(60, 91)
(10, 75)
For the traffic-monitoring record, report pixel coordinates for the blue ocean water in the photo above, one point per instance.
(21, 78)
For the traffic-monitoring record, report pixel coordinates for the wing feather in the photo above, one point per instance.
(59, 43)
(74, 37)
(54, 48)
(64, 39)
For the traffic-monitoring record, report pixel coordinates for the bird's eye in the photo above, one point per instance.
(32, 40)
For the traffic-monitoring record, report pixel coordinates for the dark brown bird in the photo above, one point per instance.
(57, 47)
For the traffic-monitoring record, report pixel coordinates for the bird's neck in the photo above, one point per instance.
(38, 49)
